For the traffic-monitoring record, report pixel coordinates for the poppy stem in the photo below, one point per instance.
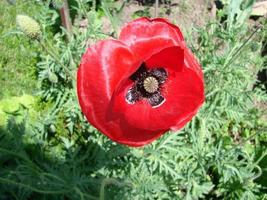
(244, 43)
(111, 18)
(94, 5)
(56, 58)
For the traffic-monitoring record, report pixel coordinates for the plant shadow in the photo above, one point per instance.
(31, 169)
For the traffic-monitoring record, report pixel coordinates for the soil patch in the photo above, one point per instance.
(184, 13)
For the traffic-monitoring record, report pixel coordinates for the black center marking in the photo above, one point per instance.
(147, 85)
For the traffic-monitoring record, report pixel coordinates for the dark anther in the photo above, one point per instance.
(156, 99)
(147, 85)
(160, 74)
(139, 73)
(133, 95)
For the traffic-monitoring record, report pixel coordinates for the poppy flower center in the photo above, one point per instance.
(151, 84)
(147, 85)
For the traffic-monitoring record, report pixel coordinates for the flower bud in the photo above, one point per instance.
(52, 77)
(29, 26)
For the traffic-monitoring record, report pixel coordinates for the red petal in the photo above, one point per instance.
(145, 28)
(183, 91)
(171, 58)
(192, 63)
(101, 70)
(149, 36)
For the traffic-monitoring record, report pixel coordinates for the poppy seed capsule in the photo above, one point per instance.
(52, 77)
(29, 26)
(151, 84)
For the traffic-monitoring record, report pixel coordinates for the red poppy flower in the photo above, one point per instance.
(138, 87)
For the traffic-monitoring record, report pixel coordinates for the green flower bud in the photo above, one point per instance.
(52, 77)
(29, 26)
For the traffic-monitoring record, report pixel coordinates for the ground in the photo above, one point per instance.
(186, 13)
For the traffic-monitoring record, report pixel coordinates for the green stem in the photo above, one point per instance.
(94, 5)
(55, 57)
(260, 159)
(258, 174)
(239, 49)
(242, 142)
(111, 19)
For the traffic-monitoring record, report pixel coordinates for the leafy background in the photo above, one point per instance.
(49, 151)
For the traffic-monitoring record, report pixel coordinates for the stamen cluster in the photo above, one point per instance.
(147, 85)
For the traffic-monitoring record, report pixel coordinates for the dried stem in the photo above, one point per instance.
(156, 8)
(65, 18)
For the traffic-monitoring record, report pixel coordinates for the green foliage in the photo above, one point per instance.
(220, 154)
(14, 106)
